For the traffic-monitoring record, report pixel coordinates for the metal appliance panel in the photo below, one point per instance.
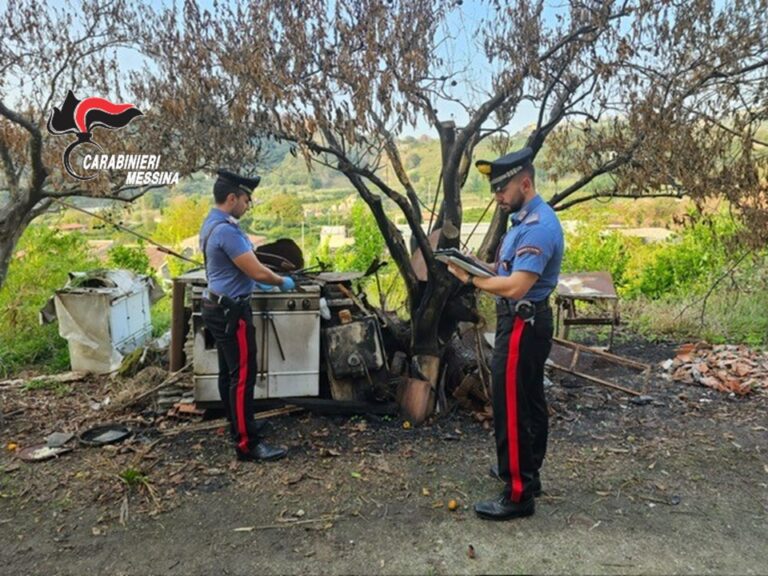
(291, 318)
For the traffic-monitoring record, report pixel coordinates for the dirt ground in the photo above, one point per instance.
(675, 485)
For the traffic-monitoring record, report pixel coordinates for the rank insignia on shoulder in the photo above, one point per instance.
(535, 250)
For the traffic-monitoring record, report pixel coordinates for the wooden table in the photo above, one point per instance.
(588, 287)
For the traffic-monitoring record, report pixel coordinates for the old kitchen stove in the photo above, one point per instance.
(287, 331)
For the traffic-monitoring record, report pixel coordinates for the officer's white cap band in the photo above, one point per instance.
(506, 176)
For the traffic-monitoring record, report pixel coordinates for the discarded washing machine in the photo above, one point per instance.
(104, 315)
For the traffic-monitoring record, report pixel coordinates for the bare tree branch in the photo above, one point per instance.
(39, 173)
(614, 194)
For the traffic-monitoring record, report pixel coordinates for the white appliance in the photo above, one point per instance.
(287, 333)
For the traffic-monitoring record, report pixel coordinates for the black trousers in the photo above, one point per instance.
(520, 414)
(237, 370)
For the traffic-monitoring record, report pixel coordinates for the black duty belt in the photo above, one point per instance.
(226, 301)
(234, 308)
(525, 309)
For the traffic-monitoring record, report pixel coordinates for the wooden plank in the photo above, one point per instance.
(596, 380)
(219, 422)
(589, 321)
(178, 326)
(607, 355)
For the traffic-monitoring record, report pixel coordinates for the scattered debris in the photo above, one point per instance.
(213, 425)
(169, 397)
(172, 377)
(186, 409)
(63, 378)
(58, 439)
(41, 452)
(727, 368)
(105, 434)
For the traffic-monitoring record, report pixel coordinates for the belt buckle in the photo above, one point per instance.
(526, 310)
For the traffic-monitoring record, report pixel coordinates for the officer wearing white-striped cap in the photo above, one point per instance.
(527, 266)
(232, 271)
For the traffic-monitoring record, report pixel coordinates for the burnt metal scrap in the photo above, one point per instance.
(326, 343)
(323, 340)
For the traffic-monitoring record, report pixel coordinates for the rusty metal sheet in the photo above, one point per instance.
(587, 285)
(354, 349)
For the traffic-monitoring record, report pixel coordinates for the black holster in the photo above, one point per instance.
(233, 309)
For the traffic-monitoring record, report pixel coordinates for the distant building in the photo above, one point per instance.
(100, 249)
(156, 257)
(470, 235)
(72, 227)
(192, 244)
(648, 234)
(336, 236)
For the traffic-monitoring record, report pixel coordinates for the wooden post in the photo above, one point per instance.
(178, 326)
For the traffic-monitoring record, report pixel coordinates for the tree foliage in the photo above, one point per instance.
(41, 267)
(286, 208)
(49, 48)
(182, 218)
(638, 98)
(628, 93)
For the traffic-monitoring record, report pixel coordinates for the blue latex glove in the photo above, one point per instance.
(264, 287)
(288, 284)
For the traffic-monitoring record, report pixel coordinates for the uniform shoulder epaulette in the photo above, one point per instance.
(531, 218)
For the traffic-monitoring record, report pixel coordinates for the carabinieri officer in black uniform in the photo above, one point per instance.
(232, 270)
(527, 267)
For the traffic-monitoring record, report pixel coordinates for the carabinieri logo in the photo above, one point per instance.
(80, 117)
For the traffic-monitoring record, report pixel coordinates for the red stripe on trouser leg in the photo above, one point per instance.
(242, 375)
(513, 356)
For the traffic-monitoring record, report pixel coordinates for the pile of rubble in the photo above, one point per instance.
(727, 368)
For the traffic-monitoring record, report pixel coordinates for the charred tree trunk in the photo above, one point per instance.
(451, 206)
(14, 219)
(487, 250)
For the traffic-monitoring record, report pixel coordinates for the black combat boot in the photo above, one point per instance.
(262, 452)
(502, 508)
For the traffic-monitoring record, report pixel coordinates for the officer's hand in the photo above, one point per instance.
(288, 284)
(462, 275)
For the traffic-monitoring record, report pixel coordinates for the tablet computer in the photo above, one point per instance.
(455, 257)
